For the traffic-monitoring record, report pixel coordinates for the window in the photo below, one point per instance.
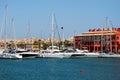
(117, 37)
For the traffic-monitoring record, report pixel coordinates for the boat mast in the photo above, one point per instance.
(111, 35)
(5, 32)
(28, 33)
(102, 39)
(107, 44)
(29, 40)
(14, 34)
(52, 29)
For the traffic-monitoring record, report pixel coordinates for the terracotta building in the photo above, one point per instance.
(99, 40)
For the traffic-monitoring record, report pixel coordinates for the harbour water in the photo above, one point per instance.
(61, 69)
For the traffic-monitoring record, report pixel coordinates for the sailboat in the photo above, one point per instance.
(8, 53)
(109, 54)
(53, 51)
(28, 53)
(14, 53)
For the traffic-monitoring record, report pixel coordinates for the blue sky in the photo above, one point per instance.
(76, 16)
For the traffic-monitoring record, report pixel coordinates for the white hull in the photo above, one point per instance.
(109, 55)
(18, 55)
(79, 54)
(68, 54)
(85, 53)
(10, 56)
(92, 54)
(55, 55)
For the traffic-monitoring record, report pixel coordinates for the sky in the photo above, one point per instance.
(76, 16)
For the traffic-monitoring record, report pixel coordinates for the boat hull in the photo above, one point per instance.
(55, 55)
(109, 56)
(29, 54)
(10, 56)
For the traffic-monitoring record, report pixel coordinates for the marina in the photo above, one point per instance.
(94, 43)
(59, 40)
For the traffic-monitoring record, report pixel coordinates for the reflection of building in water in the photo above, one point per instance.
(99, 40)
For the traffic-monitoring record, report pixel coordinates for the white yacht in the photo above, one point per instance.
(10, 55)
(27, 54)
(92, 54)
(53, 53)
(15, 54)
(53, 49)
(85, 53)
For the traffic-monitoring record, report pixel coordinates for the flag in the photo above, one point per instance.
(61, 27)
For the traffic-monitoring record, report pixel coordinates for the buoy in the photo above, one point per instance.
(81, 70)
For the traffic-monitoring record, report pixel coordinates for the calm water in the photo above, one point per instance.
(61, 69)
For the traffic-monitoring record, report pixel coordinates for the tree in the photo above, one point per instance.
(68, 43)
